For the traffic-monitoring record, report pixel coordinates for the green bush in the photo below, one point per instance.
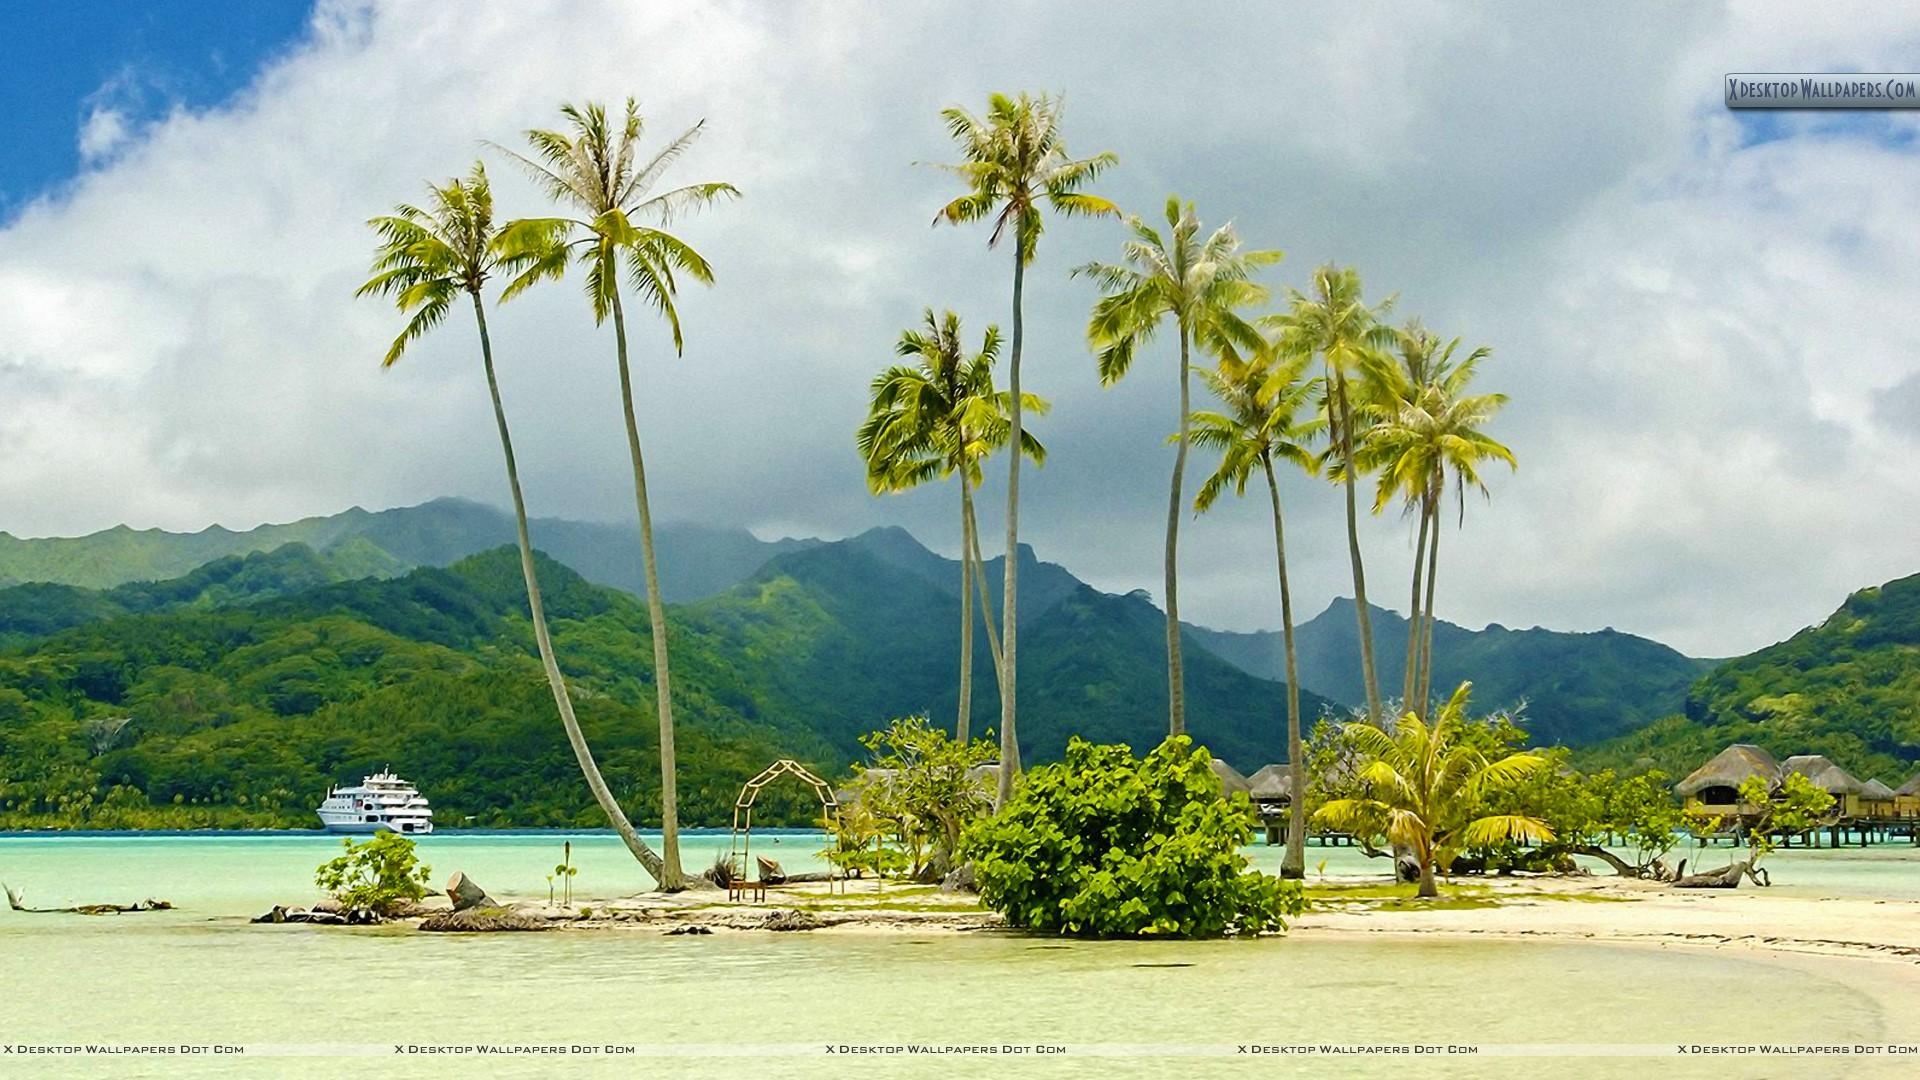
(1104, 844)
(382, 875)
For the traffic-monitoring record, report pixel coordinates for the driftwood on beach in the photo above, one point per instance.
(1727, 877)
(16, 901)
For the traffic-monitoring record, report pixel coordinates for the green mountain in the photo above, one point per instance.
(41, 608)
(851, 632)
(236, 694)
(1579, 688)
(696, 560)
(1848, 688)
(244, 715)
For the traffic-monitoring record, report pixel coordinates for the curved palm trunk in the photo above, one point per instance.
(980, 584)
(960, 732)
(1433, 573)
(561, 699)
(1361, 613)
(1176, 680)
(1411, 686)
(670, 878)
(1009, 634)
(1294, 863)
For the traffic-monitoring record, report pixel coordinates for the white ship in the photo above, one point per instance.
(382, 801)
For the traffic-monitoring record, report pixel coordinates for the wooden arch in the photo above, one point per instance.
(750, 791)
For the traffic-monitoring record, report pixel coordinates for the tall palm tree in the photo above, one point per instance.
(1425, 789)
(1200, 284)
(426, 259)
(935, 418)
(593, 170)
(1426, 425)
(1016, 162)
(1333, 322)
(1264, 398)
(1396, 385)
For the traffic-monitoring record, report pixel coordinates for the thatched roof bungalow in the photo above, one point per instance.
(1830, 778)
(1714, 788)
(1231, 779)
(1906, 797)
(1876, 799)
(1272, 784)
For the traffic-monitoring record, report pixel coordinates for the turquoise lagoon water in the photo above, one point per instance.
(202, 975)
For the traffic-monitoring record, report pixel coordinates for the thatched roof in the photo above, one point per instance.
(1875, 791)
(1230, 778)
(1911, 787)
(1728, 768)
(1271, 782)
(1825, 775)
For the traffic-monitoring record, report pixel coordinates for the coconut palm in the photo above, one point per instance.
(1394, 386)
(426, 259)
(935, 418)
(1333, 322)
(1200, 284)
(593, 169)
(1425, 788)
(1425, 426)
(1015, 163)
(1264, 398)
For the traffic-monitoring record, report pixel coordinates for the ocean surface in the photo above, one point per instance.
(201, 976)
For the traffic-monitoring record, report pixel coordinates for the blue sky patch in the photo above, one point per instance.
(61, 61)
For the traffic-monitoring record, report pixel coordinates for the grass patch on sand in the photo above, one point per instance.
(1380, 896)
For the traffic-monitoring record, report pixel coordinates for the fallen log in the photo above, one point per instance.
(16, 901)
(1727, 877)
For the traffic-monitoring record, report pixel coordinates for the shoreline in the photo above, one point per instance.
(1573, 910)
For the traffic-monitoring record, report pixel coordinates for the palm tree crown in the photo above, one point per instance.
(428, 256)
(1426, 425)
(942, 414)
(593, 170)
(1200, 283)
(1264, 400)
(1016, 159)
(1425, 787)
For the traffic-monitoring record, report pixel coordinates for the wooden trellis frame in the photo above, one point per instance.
(742, 849)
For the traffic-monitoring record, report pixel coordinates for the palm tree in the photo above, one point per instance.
(1425, 426)
(933, 419)
(426, 259)
(592, 170)
(1425, 789)
(1200, 284)
(1334, 323)
(1264, 398)
(1016, 161)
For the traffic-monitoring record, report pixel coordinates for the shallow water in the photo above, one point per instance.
(202, 975)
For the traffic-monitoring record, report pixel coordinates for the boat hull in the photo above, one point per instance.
(363, 828)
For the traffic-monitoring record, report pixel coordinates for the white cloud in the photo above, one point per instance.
(104, 131)
(1699, 335)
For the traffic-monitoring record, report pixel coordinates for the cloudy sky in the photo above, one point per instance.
(1703, 320)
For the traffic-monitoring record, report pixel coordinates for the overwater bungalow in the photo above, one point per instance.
(1714, 788)
(1272, 796)
(1877, 800)
(1830, 778)
(1867, 809)
(1906, 798)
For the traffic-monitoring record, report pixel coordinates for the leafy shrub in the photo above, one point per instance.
(1104, 844)
(382, 875)
(922, 789)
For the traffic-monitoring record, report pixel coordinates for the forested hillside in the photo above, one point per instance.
(1579, 688)
(1848, 688)
(236, 695)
